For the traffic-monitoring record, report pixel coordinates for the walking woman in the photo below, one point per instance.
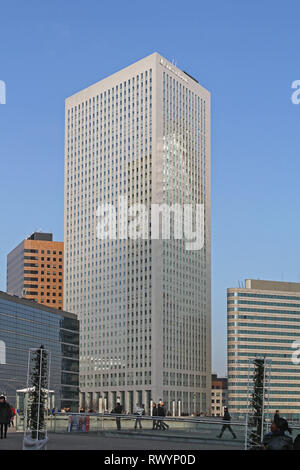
(5, 415)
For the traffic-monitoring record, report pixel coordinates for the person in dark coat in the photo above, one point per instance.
(165, 425)
(277, 439)
(297, 442)
(5, 415)
(276, 418)
(227, 418)
(161, 411)
(284, 425)
(154, 413)
(118, 410)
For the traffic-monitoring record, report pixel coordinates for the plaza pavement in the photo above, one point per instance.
(116, 441)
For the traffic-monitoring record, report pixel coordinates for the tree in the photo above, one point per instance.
(257, 401)
(38, 393)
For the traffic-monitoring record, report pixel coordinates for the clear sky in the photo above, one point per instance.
(245, 52)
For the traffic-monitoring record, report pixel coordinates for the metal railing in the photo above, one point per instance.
(205, 429)
(194, 427)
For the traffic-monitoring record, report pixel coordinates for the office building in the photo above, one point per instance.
(25, 324)
(219, 395)
(35, 270)
(143, 135)
(264, 321)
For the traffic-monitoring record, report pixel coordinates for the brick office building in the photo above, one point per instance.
(35, 270)
(219, 395)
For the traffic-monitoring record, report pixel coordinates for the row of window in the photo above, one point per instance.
(264, 310)
(264, 326)
(267, 304)
(54, 252)
(263, 296)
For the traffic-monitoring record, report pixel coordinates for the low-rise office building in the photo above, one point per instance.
(219, 395)
(264, 322)
(25, 324)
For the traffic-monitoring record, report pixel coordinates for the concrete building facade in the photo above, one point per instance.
(141, 135)
(264, 321)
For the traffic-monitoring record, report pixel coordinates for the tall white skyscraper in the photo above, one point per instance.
(140, 136)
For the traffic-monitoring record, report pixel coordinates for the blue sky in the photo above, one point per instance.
(245, 53)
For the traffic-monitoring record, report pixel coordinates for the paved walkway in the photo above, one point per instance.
(99, 442)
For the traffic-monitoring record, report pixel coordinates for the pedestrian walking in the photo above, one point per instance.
(165, 425)
(226, 418)
(161, 411)
(13, 414)
(154, 413)
(5, 416)
(118, 410)
(139, 412)
(160, 414)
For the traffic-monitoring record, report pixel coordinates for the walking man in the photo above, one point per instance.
(118, 410)
(5, 415)
(161, 411)
(227, 418)
(154, 413)
(139, 411)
